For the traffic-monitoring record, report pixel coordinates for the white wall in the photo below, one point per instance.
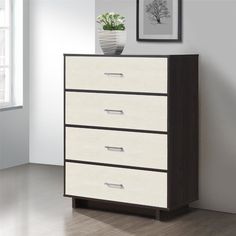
(14, 124)
(208, 29)
(56, 27)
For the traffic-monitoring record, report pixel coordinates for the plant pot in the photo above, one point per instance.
(112, 42)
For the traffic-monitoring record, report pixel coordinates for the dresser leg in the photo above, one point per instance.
(75, 203)
(167, 215)
(79, 203)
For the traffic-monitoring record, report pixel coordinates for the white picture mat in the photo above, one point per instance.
(175, 19)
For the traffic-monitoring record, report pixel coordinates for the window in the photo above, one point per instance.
(11, 53)
(5, 53)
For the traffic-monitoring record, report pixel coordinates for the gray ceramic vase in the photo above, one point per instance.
(112, 42)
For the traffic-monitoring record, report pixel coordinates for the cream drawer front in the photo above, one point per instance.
(120, 111)
(117, 74)
(116, 147)
(117, 184)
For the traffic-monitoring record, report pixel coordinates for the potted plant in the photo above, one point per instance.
(112, 36)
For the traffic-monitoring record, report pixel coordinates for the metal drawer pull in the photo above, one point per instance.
(114, 149)
(119, 186)
(114, 112)
(114, 74)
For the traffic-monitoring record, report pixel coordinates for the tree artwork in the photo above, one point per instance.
(157, 10)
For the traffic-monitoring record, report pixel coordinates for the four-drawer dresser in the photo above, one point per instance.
(131, 133)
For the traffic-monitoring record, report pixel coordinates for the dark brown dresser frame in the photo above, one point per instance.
(183, 122)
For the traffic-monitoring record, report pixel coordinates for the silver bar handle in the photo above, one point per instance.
(110, 185)
(114, 74)
(114, 112)
(114, 149)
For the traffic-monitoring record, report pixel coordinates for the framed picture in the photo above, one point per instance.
(159, 20)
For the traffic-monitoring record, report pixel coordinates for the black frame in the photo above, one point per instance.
(179, 39)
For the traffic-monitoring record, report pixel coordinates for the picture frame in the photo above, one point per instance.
(163, 25)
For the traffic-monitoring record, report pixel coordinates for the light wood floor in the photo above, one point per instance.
(31, 204)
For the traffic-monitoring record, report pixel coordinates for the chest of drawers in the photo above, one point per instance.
(131, 132)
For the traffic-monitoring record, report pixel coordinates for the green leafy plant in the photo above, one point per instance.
(111, 21)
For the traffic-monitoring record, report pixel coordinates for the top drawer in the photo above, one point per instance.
(129, 74)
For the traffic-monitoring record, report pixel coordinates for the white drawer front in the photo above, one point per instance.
(120, 111)
(117, 74)
(116, 147)
(117, 184)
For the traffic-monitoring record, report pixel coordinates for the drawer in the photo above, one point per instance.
(117, 74)
(120, 111)
(117, 184)
(117, 147)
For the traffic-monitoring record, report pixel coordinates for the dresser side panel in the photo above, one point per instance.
(182, 130)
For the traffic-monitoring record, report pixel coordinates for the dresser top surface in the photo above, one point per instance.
(128, 55)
